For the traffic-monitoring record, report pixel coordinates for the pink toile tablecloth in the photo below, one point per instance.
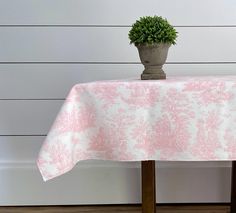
(178, 119)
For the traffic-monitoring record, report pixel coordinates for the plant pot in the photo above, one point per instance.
(153, 57)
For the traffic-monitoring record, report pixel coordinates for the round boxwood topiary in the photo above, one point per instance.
(152, 30)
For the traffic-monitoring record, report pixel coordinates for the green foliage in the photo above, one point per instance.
(151, 30)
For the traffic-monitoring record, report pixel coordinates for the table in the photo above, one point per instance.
(177, 119)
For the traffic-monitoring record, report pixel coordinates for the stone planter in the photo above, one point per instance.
(153, 57)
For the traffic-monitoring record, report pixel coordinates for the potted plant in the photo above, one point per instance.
(152, 35)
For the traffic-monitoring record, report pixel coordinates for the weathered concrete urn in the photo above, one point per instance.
(153, 57)
(152, 36)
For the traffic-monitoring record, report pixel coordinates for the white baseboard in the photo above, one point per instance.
(113, 183)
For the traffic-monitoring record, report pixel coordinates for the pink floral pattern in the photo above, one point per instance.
(209, 90)
(178, 119)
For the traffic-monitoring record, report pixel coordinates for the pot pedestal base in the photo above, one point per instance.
(152, 76)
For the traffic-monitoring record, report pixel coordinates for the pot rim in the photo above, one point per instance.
(153, 45)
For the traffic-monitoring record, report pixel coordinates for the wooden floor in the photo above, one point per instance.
(117, 209)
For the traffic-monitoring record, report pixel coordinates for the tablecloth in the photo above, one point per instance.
(177, 119)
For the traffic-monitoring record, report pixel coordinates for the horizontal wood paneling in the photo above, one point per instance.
(55, 80)
(15, 150)
(122, 12)
(27, 117)
(111, 45)
(38, 81)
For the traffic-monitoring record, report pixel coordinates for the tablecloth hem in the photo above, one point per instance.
(47, 178)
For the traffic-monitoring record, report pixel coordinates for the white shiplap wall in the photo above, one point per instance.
(48, 46)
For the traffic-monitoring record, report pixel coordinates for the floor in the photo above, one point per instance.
(118, 209)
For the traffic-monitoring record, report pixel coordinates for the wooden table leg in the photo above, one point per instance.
(148, 187)
(233, 188)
